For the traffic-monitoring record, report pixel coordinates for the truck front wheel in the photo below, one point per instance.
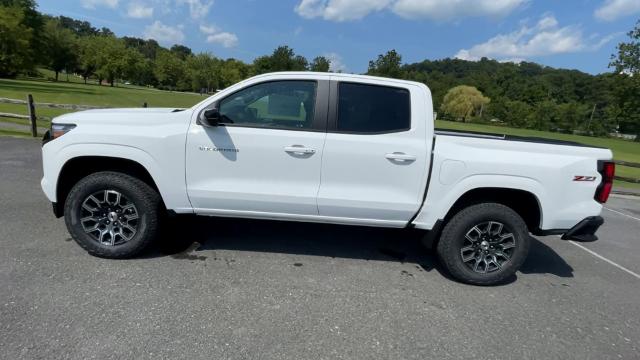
(112, 215)
(484, 244)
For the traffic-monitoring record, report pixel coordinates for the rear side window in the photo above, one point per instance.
(372, 109)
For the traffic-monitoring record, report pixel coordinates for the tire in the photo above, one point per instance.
(500, 248)
(124, 224)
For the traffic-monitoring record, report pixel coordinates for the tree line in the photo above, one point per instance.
(524, 95)
(29, 39)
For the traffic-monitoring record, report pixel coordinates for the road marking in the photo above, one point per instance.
(621, 213)
(605, 259)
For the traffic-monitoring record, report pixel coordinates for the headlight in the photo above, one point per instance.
(58, 130)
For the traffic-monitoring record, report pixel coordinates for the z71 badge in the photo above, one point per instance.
(584, 178)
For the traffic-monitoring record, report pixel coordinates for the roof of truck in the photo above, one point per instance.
(341, 75)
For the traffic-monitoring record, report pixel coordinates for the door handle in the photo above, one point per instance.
(400, 157)
(299, 149)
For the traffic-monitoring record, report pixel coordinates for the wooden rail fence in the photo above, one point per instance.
(31, 110)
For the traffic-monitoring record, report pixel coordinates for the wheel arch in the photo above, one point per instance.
(523, 202)
(79, 167)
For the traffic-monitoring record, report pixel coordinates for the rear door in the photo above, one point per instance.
(376, 154)
(264, 158)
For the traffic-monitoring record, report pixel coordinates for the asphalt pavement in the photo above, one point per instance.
(241, 289)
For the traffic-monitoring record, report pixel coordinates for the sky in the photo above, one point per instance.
(574, 34)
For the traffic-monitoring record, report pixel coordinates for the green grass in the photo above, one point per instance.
(25, 122)
(96, 95)
(6, 132)
(621, 185)
(622, 149)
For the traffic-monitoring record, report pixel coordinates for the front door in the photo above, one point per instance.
(264, 158)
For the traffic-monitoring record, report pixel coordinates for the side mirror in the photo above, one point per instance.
(210, 118)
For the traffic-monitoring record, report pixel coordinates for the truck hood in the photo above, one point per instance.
(125, 116)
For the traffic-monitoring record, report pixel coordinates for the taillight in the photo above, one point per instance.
(607, 169)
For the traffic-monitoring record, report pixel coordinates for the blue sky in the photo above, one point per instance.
(576, 34)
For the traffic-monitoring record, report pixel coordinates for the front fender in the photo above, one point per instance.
(170, 181)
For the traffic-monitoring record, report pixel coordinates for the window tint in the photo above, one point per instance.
(372, 108)
(278, 104)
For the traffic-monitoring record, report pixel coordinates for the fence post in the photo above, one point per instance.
(32, 116)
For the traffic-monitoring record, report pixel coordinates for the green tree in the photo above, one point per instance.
(204, 71)
(462, 102)
(114, 60)
(170, 70)
(181, 51)
(88, 56)
(148, 48)
(79, 28)
(388, 65)
(320, 64)
(61, 51)
(15, 39)
(627, 90)
(628, 58)
(283, 58)
(543, 116)
(232, 71)
(30, 19)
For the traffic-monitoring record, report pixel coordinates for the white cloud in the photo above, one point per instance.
(92, 4)
(164, 34)
(443, 10)
(139, 11)
(224, 38)
(208, 29)
(344, 10)
(613, 9)
(198, 9)
(339, 10)
(216, 36)
(545, 38)
(336, 64)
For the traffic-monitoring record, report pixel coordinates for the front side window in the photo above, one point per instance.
(277, 104)
(373, 109)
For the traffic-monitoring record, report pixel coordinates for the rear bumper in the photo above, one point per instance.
(585, 230)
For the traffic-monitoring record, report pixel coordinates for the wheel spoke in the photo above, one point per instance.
(507, 246)
(471, 253)
(131, 217)
(476, 267)
(498, 231)
(91, 229)
(111, 221)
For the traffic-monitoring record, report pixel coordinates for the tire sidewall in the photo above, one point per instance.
(95, 183)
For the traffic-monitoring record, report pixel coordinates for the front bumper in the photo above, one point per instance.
(585, 230)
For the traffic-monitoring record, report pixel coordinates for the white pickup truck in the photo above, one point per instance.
(321, 147)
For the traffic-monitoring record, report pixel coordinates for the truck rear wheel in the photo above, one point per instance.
(112, 215)
(484, 244)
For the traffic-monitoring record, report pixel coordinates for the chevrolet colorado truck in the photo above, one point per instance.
(322, 147)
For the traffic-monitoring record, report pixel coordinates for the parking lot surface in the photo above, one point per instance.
(239, 289)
